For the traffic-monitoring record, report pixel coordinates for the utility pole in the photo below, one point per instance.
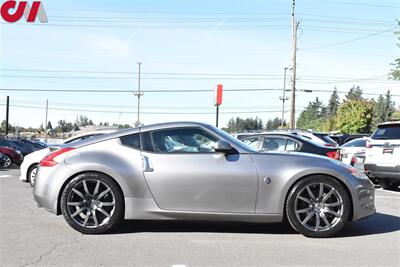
(47, 113)
(7, 113)
(295, 26)
(283, 97)
(138, 93)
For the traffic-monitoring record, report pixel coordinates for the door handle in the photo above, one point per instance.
(147, 167)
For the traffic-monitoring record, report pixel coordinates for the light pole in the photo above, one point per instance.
(138, 93)
(283, 97)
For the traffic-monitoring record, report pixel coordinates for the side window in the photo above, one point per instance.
(132, 140)
(147, 145)
(274, 144)
(183, 140)
(252, 142)
(292, 145)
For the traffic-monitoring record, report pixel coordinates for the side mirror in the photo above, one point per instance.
(222, 147)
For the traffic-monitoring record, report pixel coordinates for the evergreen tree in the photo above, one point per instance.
(355, 93)
(383, 109)
(333, 104)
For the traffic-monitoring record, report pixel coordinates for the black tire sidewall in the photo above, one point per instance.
(30, 172)
(119, 203)
(7, 158)
(290, 210)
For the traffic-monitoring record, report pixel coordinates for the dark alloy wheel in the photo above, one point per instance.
(7, 162)
(32, 174)
(318, 206)
(92, 203)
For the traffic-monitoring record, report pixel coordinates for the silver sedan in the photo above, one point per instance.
(194, 171)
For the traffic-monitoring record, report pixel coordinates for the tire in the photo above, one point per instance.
(8, 162)
(322, 214)
(92, 211)
(388, 184)
(31, 175)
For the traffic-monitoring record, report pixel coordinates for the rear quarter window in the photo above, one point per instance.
(132, 140)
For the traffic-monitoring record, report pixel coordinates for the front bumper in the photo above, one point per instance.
(376, 171)
(363, 199)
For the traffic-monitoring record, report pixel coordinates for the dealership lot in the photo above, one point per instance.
(32, 236)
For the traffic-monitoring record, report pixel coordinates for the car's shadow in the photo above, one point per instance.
(378, 224)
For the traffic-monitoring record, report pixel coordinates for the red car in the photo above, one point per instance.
(13, 156)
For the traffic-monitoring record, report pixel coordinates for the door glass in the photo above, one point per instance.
(251, 142)
(183, 140)
(292, 145)
(274, 144)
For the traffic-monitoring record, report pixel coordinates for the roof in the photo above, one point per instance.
(389, 123)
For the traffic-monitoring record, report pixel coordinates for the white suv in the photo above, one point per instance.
(382, 160)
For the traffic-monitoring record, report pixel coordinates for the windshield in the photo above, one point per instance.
(389, 131)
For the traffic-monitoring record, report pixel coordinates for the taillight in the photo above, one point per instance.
(333, 154)
(48, 161)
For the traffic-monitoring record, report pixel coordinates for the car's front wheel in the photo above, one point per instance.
(318, 206)
(92, 203)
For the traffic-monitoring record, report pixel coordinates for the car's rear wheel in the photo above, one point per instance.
(32, 174)
(92, 203)
(8, 161)
(318, 206)
(388, 184)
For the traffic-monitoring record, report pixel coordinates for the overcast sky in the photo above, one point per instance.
(192, 45)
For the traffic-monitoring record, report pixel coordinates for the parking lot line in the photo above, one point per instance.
(392, 192)
(5, 176)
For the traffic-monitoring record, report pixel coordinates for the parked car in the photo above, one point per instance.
(382, 160)
(34, 145)
(139, 174)
(30, 164)
(12, 156)
(241, 136)
(351, 148)
(345, 138)
(16, 145)
(321, 138)
(278, 141)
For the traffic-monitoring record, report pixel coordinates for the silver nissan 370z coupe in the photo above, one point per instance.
(194, 171)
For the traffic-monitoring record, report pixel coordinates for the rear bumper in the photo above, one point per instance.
(382, 172)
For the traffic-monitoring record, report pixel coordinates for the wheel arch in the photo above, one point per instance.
(66, 182)
(346, 188)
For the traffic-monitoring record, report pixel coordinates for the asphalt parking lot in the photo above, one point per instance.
(33, 236)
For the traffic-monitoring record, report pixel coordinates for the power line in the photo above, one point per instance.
(174, 90)
(348, 41)
(358, 4)
(150, 113)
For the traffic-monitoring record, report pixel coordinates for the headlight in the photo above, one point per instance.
(18, 152)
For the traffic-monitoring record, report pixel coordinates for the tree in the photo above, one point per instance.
(354, 116)
(49, 126)
(3, 127)
(355, 93)
(313, 116)
(240, 125)
(274, 124)
(333, 104)
(395, 72)
(383, 109)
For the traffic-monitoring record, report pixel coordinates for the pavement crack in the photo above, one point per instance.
(48, 252)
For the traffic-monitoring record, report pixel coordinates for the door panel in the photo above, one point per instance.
(204, 182)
